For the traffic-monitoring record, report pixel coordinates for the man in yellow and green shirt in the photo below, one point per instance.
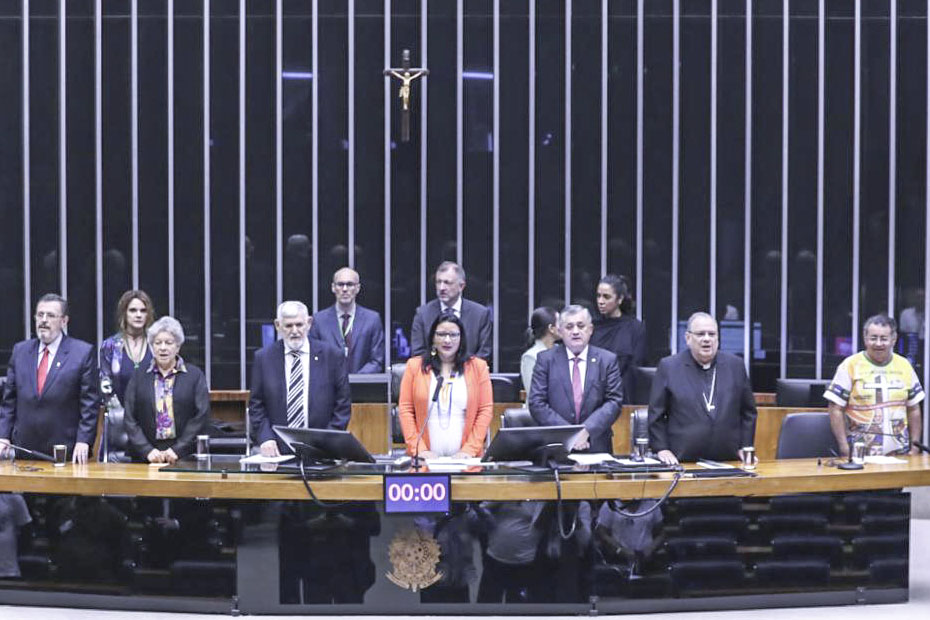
(875, 395)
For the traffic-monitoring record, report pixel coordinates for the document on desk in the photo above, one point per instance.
(259, 459)
(883, 460)
(593, 458)
(448, 464)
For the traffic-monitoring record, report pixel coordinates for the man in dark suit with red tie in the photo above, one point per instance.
(297, 381)
(348, 326)
(51, 394)
(578, 384)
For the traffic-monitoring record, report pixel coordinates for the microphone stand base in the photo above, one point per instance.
(850, 466)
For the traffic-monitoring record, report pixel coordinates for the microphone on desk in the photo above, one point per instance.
(416, 451)
(849, 464)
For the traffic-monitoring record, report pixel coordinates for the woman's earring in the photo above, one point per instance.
(433, 352)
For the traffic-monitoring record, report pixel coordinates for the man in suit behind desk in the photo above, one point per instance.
(578, 384)
(51, 390)
(701, 405)
(450, 282)
(353, 328)
(297, 381)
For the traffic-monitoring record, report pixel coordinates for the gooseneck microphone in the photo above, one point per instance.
(416, 451)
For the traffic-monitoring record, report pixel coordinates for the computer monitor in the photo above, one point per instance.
(800, 392)
(533, 443)
(323, 444)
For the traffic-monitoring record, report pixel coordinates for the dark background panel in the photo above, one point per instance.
(513, 145)
(81, 218)
(657, 177)
(333, 143)
(12, 320)
(550, 154)
(586, 151)
(802, 197)
(224, 194)
(189, 181)
(621, 140)
(405, 171)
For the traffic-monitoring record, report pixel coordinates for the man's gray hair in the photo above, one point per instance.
(572, 310)
(699, 315)
(448, 264)
(167, 324)
(292, 308)
(880, 320)
(49, 297)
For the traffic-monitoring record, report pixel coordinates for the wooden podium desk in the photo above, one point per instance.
(774, 478)
(257, 545)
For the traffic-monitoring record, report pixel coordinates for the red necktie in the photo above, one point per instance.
(43, 371)
(576, 388)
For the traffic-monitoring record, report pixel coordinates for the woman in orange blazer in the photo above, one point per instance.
(445, 401)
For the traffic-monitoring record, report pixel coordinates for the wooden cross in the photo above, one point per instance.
(406, 75)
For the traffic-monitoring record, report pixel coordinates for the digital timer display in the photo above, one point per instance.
(417, 493)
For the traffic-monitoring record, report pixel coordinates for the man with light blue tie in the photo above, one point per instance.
(346, 325)
(576, 383)
(297, 382)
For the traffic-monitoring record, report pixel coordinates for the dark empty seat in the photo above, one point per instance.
(793, 572)
(397, 373)
(696, 547)
(800, 392)
(792, 523)
(505, 389)
(806, 434)
(884, 524)
(706, 574)
(869, 548)
(517, 417)
(643, 384)
(734, 525)
(805, 504)
(889, 571)
(691, 506)
(203, 577)
(804, 546)
(858, 505)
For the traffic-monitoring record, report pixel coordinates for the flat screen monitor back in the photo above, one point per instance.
(323, 443)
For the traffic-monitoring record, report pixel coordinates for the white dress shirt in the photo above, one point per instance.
(582, 365)
(52, 351)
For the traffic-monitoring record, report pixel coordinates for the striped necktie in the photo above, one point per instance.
(296, 417)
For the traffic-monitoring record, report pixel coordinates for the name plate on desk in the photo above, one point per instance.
(417, 493)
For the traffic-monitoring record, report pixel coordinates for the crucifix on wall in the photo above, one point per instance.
(406, 75)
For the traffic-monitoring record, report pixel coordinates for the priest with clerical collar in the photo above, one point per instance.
(701, 405)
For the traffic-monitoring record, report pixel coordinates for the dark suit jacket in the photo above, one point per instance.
(66, 412)
(679, 420)
(551, 401)
(475, 317)
(191, 398)
(329, 402)
(366, 354)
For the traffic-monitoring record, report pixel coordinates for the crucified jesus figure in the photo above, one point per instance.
(406, 75)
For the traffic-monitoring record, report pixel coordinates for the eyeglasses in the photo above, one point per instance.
(345, 284)
(878, 339)
(47, 315)
(703, 334)
(449, 335)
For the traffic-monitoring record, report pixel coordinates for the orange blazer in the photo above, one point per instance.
(414, 399)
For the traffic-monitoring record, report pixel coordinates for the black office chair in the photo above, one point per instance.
(795, 546)
(397, 373)
(720, 546)
(800, 392)
(517, 417)
(706, 574)
(811, 503)
(504, 388)
(805, 435)
(772, 524)
(643, 376)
